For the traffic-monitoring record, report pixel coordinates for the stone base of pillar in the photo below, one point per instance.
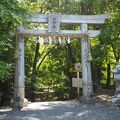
(87, 100)
(19, 104)
(24, 103)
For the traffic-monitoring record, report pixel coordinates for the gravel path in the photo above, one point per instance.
(64, 110)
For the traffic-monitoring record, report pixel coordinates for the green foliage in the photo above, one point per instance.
(12, 14)
(5, 71)
(55, 69)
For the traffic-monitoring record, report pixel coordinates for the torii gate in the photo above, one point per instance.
(54, 21)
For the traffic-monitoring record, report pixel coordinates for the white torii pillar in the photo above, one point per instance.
(86, 66)
(19, 94)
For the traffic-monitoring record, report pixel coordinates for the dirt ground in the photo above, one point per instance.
(63, 110)
(103, 109)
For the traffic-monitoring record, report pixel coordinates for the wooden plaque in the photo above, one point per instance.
(74, 82)
(54, 23)
(78, 67)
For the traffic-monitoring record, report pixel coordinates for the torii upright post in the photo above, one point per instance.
(86, 66)
(19, 100)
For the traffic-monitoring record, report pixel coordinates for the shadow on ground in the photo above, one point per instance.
(65, 110)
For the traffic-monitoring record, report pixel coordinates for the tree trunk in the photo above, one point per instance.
(85, 8)
(72, 59)
(116, 55)
(108, 76)
(33, 81)
(68, 72)
(70, 62)
(44, 57)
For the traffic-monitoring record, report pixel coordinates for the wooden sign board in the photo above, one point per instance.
(78, 67)
(54, 23)
(74, 82)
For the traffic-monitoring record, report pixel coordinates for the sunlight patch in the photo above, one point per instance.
(82, 113)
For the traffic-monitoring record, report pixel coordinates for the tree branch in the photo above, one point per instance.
(36, 58)
(115, 53)
(44, 57)
(44, 50)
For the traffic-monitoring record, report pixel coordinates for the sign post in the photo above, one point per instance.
(78, 87)
(78, 69)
